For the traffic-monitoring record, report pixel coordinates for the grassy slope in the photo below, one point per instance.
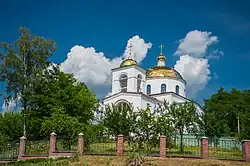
(104, 161)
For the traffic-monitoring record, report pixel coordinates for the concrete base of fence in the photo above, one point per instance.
(32, 157)
(62, 154)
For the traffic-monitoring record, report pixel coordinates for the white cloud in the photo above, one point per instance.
(215, 54)
(10, 106)
(196, 43)
(193, 64)
(94, 68)
(139, 49)
(195, 71)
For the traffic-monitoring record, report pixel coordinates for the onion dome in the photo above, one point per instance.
(161, 70)
(128, 62)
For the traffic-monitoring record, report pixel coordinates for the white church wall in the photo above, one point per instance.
(170, 83)
(132, 73)
(162, 97)
(133, 99)
(138, 101)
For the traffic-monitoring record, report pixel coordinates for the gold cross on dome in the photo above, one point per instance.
(130, 50)
(161, 46)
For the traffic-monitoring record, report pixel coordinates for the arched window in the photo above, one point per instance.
(148, 89)
(139, 78)
(177, 89)
(123, 82)
(163, 88)
(123, 105)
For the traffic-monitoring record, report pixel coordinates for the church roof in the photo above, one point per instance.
(163, 71)
(128, 62)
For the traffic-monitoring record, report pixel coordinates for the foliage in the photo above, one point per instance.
(62, 124)
(146, 128)
(23, 63)
(119, 119)
(60, 91)
(222, 111)
(11, 126)
(184, 118)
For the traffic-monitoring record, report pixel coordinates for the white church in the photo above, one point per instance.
(139, 88)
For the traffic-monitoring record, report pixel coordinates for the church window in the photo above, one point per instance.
(123, 105)
(163, 88)
(177, 89)
(123, 82)
(148, 89)
(139, 78)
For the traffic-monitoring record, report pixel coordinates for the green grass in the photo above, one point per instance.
(41, 162)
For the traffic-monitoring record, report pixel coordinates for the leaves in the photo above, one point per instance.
(222, 111)
(22, 64)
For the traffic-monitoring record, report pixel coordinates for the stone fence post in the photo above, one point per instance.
(22, 147)
(246, 150)
(162, 146)
(80, 145)
(204, 148)
(120, 145)
(52, 144)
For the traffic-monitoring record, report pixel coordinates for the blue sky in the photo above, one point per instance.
(107, 26)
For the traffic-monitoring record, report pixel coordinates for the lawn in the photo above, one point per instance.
(124, 161)
(151, 161)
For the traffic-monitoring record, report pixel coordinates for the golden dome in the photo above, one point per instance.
(163, 71)
(128, 62)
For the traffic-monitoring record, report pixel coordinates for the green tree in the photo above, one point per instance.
(66, 127)
(60, 90)
(146, 128)
(22, 64)
(11, 125)
(224, 110)
(184, 118)
(119, 119)
(62, 124)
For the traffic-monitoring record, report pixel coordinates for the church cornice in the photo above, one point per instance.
(133, 93)
(127, 67)
(154, 78)
(173, 93)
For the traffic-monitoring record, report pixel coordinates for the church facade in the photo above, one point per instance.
(139, 88)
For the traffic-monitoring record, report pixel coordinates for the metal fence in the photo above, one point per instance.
(66, 144)
(100, 145)
(9, 151)
(37, 148)
(225, 149)
(186, 147)
(142, 146)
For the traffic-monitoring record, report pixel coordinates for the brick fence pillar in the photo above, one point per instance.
(22, 147)
(80, 145)
(162, 146)
(52, 144)
(246, 150)
(120, 145)
(204, 148)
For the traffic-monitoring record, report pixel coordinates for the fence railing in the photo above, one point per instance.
(104, 145)
(9, 151)
(189, 147)
(162, 146)
(142, 146)
(66, 144)
(38, 148)
(225, 149)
